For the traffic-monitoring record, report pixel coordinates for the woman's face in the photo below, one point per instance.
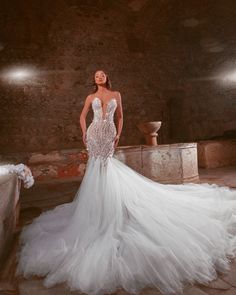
(100, 78)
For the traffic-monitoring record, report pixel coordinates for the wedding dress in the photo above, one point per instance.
(123, 230)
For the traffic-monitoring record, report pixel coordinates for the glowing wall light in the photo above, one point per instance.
(229, 77)
(19, 75)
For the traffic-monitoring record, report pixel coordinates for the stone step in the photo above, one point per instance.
(8, 282)
(36, 287)
(48, 195)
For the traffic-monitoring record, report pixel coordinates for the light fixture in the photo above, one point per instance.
(19, 74)
(229, 77)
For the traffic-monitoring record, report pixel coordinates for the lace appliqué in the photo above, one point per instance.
(101, 132)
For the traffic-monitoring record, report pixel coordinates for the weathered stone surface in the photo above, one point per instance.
(222, 176)
(230, 278)
(173, 163)
(192, 290)
(6, 287)
(150, 291)
(216, 153)
(47, 171)
(131, 155)
(163, 56)
(57, 164)
(49, 194)
(231, 291)
(218, 284)
(53, 156)
(29, 287)
(9, 209)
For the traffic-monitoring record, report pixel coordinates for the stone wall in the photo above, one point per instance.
(163, 56)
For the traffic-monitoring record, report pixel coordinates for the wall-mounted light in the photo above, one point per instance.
(229, 77)
(19, 75)
(225, 77)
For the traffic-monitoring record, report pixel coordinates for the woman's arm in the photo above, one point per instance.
(119, 116)
(83, 116)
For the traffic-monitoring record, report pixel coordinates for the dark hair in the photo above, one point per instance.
(108, 82)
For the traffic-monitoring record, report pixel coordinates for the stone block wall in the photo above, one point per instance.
(55, 165)
(163, 56)
(216, 153)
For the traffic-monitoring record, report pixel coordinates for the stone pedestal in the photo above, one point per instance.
(149, 130)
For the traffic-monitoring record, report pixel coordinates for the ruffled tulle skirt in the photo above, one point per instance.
(123, 230)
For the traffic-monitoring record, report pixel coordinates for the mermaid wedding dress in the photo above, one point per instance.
(123, 230)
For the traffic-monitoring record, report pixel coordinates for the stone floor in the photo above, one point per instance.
(47, 195)
(222, 176)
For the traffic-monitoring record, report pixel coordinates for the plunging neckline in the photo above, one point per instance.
(102, 105)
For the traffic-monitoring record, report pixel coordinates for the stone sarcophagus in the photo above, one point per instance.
(167, 163)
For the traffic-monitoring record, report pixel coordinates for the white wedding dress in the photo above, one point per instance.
(123, 230)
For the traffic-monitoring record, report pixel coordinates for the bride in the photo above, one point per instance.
(123, 230)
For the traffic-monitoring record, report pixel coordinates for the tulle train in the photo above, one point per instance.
(124, 230)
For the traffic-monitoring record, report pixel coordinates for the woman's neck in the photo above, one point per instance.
(102, 89)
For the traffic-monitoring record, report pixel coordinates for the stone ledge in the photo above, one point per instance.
(62, 164)
(169, 163)
(216, 153)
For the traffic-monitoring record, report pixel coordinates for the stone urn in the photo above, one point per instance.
(149, 130)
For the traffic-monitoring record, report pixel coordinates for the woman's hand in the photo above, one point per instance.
(85, 140)
(116, 140)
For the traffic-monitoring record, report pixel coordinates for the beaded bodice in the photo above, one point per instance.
(99, 112)
(102, 131)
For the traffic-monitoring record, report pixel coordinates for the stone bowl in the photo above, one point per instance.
(149, 128)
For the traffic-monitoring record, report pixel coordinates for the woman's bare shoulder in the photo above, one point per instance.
(116, 94)
(89, 97)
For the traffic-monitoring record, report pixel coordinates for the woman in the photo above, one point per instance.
(123, 230)
(102, 89)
